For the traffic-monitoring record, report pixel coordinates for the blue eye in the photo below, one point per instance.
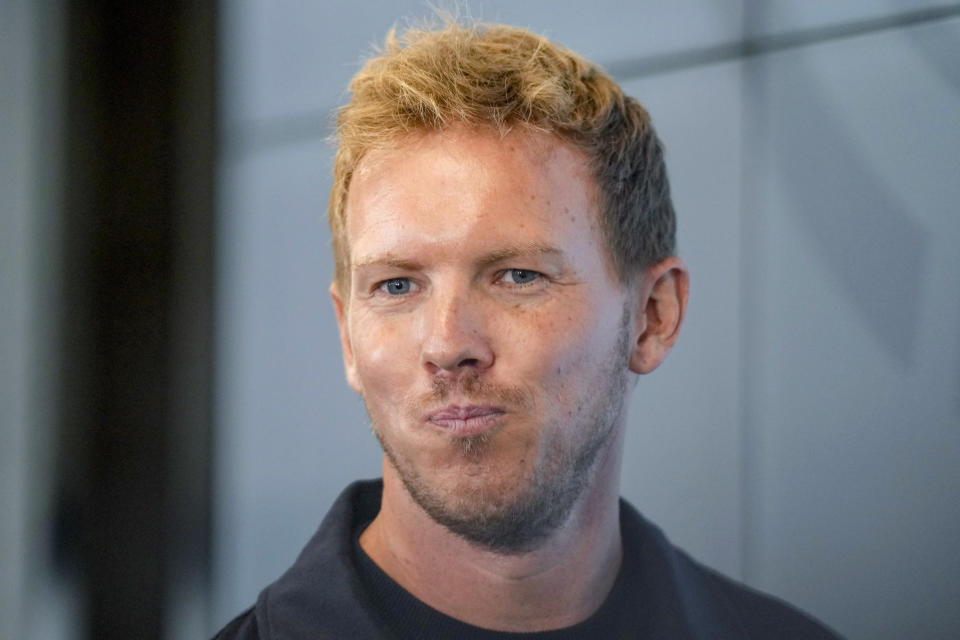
(521, 276)
(396, 286)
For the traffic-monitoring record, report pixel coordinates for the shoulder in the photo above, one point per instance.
(762, 615)
(321, 595)
(703, 601)
(243, 627)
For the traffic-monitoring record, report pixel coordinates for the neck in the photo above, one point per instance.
(558, 584)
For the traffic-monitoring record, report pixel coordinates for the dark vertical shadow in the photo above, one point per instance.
(134, 454)
(866, 236)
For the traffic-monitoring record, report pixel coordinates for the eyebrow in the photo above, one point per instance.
(532, 249)
(386, 261)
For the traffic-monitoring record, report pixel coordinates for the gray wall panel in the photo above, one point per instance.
(856, 420)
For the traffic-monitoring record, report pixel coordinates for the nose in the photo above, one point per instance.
(455, 341)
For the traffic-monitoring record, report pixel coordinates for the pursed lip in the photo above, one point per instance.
(466, 421)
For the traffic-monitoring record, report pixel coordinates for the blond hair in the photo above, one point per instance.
(506, 77)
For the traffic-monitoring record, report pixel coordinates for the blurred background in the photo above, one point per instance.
(174, 420)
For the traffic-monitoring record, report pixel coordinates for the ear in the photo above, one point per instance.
(349, 364)
(662, 291)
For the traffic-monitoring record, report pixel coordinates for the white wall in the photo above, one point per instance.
(805, 433)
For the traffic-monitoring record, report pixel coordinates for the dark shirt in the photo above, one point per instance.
(334, 590)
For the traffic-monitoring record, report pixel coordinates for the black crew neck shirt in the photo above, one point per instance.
(409, 617)
(334, 591)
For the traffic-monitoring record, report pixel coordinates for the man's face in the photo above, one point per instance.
(485, 327)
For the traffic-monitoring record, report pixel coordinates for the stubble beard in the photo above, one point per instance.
(518, 522)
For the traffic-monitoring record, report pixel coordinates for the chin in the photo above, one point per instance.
(509, 505)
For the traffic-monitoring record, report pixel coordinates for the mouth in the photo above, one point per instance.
(466, 422)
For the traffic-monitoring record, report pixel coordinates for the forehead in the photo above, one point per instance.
(459, 176)
(527, 150)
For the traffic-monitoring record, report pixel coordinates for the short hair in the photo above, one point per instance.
(505, 77)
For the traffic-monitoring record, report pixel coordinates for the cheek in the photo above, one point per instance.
(555, 349)
(574, 351)
(382, 353)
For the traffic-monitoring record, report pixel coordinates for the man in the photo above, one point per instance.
(504, 243)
